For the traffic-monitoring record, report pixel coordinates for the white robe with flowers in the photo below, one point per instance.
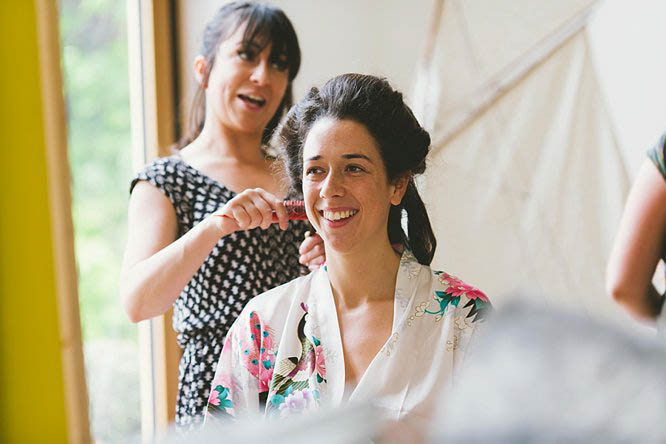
(283, 355)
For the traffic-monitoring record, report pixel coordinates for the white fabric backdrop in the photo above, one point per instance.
(525, 196)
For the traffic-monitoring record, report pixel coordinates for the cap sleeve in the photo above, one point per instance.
(170, 176)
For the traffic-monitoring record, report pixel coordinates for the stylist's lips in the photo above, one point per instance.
(252, 100)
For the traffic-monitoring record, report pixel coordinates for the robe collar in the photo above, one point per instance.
(327, 320)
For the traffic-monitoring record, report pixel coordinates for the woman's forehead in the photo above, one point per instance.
(333, 138)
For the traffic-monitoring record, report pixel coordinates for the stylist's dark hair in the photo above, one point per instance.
(403, 145)
(265, 25)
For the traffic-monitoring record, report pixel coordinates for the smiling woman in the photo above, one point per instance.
(379, 119)
(345, 184)
(376, 324)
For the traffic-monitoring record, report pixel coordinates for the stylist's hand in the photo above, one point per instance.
(311, 251)
(251, 209)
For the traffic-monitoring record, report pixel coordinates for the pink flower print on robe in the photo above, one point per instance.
(223, 374)
(214, 398)
(477, 302)
(218, 399)
(456, 287)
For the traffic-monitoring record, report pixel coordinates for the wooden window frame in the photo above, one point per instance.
(150, 33)
(55, 129)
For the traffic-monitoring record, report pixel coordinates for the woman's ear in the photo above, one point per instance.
(399, 189)
(200, 71)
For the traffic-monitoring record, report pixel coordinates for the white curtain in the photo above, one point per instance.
(526, 182)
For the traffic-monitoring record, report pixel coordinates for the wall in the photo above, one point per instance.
(376, 37)
(627, 40)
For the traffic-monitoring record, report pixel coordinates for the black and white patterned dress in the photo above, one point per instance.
(241, 266)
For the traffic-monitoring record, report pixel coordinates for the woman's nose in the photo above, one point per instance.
(332, 186)
(260, 73)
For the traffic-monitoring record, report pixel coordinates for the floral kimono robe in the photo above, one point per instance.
(283, 355)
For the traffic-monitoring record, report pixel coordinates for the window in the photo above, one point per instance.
(95, 67)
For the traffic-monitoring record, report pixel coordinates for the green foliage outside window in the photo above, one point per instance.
(95, 67)
(94, 40)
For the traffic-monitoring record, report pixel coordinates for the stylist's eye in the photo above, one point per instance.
(246, 55)
(280, 65)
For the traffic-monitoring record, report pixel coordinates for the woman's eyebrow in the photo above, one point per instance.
(250, 44)
(356, 156)
(344, 156)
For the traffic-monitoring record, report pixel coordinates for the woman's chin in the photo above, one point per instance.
(245, 123)
(351, 245)
(340, 246)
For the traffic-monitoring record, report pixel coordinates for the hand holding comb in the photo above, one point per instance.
(295, 211)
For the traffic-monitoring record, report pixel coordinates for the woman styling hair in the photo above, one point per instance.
(179, 251)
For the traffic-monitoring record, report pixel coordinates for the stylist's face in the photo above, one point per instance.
(345, 186)
(245, 86)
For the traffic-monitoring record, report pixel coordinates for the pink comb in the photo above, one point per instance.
(295, 211)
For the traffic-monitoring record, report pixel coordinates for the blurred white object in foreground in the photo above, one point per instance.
(349, 425)
(547, 376)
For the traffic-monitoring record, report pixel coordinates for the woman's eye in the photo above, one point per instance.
(355, 169)
(312, 170)
(280, 65)
(245, 55)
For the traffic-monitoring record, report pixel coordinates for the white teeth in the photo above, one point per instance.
(337, 215)
(256, 98)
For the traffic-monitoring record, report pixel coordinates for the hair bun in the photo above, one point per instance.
(417, 147)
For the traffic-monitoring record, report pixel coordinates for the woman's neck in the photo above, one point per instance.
(361, 277)
(229, 144)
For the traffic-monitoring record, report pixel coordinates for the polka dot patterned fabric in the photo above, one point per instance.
(241, 266)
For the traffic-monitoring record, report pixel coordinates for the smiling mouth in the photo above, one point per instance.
(337, 215)
(253, 100)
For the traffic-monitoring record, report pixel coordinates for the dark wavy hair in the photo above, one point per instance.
(403, 144)
(266, 25)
